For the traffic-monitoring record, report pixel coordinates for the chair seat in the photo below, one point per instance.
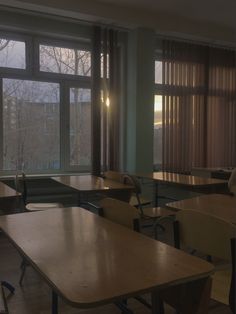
(221, 286)
(42, 206)
(133, 201)
(156, 212)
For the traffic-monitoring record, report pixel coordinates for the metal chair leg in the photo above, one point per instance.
(8, 286)
(23, 269)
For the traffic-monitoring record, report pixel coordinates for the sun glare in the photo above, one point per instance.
(158, 103)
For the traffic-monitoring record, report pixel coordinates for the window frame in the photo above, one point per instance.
(65, 81)
(61, 44)
(28, 56)
(66, 156)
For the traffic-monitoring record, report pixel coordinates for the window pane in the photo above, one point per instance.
(104, 65)
(158, 72)
(12, 54)
(65, 60)
(80, 127)
(30, 125)
(157, 131)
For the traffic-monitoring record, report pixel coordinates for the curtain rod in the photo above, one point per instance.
(197, 40)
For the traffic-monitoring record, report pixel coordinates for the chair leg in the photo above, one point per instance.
(157, 304)
(143, 301)
(124, 309)
(8, 286)
(23, 266)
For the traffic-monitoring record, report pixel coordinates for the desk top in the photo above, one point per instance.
(90, 261)
(86, 183)
(221, 205)
(6, 191)
(181, 179)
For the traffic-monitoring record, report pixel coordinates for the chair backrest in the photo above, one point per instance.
(114, 175)
(20, 185)
(134, 181)
(120, 212)
(232, 182)
(205, 233)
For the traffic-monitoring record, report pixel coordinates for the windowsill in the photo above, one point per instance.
(46, 175)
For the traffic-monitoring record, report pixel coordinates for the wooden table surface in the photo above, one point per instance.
(181, 179)
(88, 186)
(6, 191)
(90, 261)
(221, 205)
(87, 183)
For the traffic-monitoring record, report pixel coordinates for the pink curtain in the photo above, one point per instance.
(221, 109)
(183, 106)
(198, 107)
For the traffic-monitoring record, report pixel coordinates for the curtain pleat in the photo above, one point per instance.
(105, 99)
(199, 89)
(221, 108)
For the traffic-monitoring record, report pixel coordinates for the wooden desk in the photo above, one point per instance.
(198, 184)
(217, 173)
(221, 205)
(9, 198)
(86, 184)
(184, 180)
(89, 261)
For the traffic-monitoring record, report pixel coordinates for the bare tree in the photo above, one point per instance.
(31, 113)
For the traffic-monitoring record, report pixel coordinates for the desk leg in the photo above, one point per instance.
(78, 199)
(156, 193)
(54, 303)
(157, 304)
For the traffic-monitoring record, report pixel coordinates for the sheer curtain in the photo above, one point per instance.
(221, 109)
(106, 102)
(183, 106)
(198, 107)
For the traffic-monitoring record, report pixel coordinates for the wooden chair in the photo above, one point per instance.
(232, 183)
(114, 175)
(126, 215)
(137, 199)
(156, 214)
(120, 212)
(21, 186)
(215, 237)
(3, 302)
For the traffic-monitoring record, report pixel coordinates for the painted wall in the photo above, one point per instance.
(140, 101)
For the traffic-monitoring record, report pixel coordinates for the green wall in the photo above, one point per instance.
(140, 100)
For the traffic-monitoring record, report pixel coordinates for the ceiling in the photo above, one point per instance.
(217, 11)
(212, 20)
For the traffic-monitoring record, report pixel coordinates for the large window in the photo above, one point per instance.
(64, 60)
(80, 126)
(31, 125)
(195, 88)
(45, 105)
